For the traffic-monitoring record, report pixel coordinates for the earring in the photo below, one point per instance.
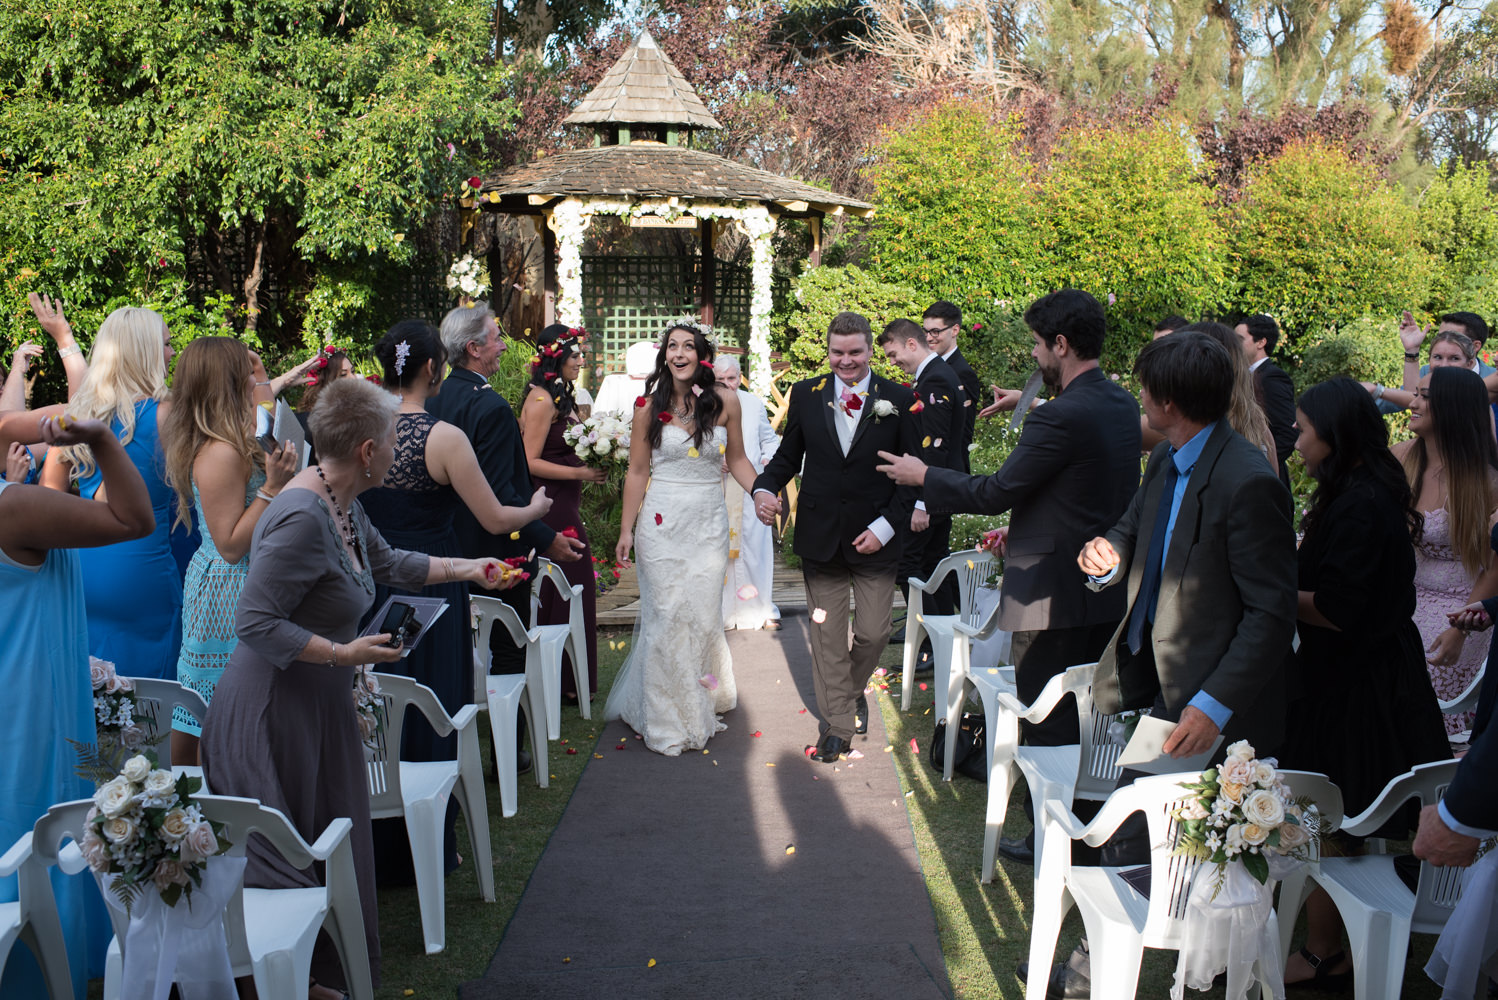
(367, 473)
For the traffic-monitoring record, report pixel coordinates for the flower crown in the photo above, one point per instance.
(560, 347)
(689, 323)
(322, 363)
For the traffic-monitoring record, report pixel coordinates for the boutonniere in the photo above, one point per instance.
(883, 408)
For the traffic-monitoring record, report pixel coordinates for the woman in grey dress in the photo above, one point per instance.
(281, 727)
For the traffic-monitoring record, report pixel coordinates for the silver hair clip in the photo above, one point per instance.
(402, 352)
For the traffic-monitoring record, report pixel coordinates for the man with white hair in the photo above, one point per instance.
(747, 601)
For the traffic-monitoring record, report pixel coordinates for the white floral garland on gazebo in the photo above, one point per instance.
(569, 220)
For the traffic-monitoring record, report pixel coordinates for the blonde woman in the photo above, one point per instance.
(1452, 467)
(220, 472)
(132, 590)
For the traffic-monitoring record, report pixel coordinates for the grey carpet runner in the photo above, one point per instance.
(748, 871)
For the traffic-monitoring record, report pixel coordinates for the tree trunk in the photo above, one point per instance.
(255, 277)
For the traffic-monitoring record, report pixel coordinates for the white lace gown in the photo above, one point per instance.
(679, 674)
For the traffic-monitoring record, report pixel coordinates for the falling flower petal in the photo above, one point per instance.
(692, 453)
(802, 712)
(566, 960)
(641, 402)
(514, 536)
(819, 615)
(748, 592)
(769, 763)
(914, 746)
(571, 532)
(855, 755)
(926, 441)
(710, 682)
(756, 733)
(696, 390)
(917, 406)
(790, 848)
(572, 750)
(613, 644)
(618, 746)
(971, 564)
(650, 964)
(888, 748)
(923, 685)
(664, 418)
(937, 442)
(623, 643)
(658, 519)
(715, 763)
(598, 756)
(993, 670)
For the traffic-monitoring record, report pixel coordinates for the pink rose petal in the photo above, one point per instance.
(708, 681)
(748, 592)
(819, 615)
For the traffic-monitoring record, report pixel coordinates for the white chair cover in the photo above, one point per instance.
(1466, 954)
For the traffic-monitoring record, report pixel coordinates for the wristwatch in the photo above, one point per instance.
(1378, 392)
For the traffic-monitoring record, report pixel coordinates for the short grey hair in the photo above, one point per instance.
(348, 412)
(726, 362)
(464, 326)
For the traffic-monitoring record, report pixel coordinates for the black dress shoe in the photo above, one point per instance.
(897, 636)
(523, 762)
(830, 750)
(861, 715)
(1071, 980)
(1017, 849)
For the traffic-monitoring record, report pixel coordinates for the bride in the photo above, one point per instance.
(679, 674)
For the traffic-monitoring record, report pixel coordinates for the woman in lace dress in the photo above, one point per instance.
(679, 675)
(1452, 467)
(218, 470)
(434, 472)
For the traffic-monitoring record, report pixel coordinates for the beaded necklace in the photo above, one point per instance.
(345, 524)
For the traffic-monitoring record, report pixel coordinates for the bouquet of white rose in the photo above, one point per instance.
(602, 441)
(468, 277)
(120, 732)
(1243, 811)
(369, 705)
(145, 830)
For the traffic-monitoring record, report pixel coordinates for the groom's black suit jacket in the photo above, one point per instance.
(841, 495)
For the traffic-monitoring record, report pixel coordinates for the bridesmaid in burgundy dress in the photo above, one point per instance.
(549, 407)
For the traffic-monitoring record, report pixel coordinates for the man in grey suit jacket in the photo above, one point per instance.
(1207, 552)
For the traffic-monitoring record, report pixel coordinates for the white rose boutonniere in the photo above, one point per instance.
(883, 408)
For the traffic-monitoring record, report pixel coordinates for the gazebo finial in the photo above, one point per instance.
(643, 92)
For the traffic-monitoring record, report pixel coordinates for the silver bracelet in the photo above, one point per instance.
(333, 656)
(452, 574)
(262, 495)
(69, 351)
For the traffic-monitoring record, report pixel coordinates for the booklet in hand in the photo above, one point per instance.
(406, 619)
(1146, 750)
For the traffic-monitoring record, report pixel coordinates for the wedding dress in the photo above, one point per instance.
(679, 674)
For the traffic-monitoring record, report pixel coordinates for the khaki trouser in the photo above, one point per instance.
(841, 669)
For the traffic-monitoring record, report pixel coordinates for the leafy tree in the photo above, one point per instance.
(147, 145)
(823, 292)
(1459, 229)
(1318, 240)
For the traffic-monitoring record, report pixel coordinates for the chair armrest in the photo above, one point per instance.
(12, 860)
(336, 833)
(1395, 794)
(1042, 706)
(465, 717)
(1115, 810)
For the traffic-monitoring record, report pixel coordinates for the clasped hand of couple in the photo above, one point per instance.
(767, 506)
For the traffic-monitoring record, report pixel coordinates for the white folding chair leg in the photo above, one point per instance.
(915, 631)
(1115, 963)
(1001, 775)
(947, 675)
(580, 676)
(469, 792)
(507, 698)
(424, 821)
(347, 935)
(1378, 942)
(1294, 888)
(1045, 929)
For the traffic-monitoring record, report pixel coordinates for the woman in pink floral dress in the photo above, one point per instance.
(1452, 465)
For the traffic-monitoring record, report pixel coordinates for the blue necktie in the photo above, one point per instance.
(1149, 584)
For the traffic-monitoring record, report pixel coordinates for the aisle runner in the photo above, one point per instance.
(747, 871)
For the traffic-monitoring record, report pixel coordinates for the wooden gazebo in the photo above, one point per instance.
(642, 168)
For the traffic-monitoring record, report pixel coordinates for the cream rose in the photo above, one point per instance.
(1253, 833)
(168, 873)
(1241, 750)
(1293, 836)
(119, 829)
(175, 825)
(368, 725)
(604, 446)
(99, 672)
(1237, 771)
(1264, 808)
(1193, 809)
(160, 782)
(1235, 842)
(136, 769)
(95, 853)
(132, 738)
(1265, 774)
(200, 840)
(114, 797)
(1232, 791)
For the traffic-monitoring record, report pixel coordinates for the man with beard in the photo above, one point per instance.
(1071, 475)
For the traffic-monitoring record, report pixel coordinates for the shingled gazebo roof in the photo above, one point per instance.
(643, 171)
(644, 86)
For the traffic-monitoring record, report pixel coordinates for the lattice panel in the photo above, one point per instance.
(631, 298)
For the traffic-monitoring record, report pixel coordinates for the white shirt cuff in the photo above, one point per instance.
(920, 505)
(882, 530)
(765, 492)
(1462, 828)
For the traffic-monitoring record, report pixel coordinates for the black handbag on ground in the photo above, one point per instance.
(972, 756)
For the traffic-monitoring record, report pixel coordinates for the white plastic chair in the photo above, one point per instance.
(576, 645)
(1466, 701)
(1063, 774)
(271, 931)
(1378, 910)
(960, 637)
(543, 664)
(504, 696)
(32, 918)
(418, 792)
(973, 568)
(155, 700)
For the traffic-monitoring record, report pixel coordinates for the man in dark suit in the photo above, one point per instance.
(1206, 550)
(846, 519)
(1451, 831)
(1070, 477)
(942, 321)
(928, 538)
(1272, 386)
(467, 401)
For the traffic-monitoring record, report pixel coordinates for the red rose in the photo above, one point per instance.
(641, 402)
(475, 182)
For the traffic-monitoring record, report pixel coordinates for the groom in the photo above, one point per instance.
(847, 521)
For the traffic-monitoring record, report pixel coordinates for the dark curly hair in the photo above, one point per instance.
(703, 407)
(553, 349)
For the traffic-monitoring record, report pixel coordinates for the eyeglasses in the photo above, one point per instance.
(940, 329)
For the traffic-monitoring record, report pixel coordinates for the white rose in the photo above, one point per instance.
(175, 824)
(132, 737)
(1293, 835)
(136, 769)
(169, 872)
(1242, 750)
(160, 783)
(114, 797)
(99, 672)
(581, 451)
(95, 851)
(1253, 833)
(1264, 808)
(1264, 774)
(119, 829)
(200, 842)
(1235, 843)
(883, 408)
(604, 446)
(1236, 771)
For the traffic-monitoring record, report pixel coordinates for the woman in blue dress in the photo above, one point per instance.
(221, 473)
(132, 590)
(45, 671)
